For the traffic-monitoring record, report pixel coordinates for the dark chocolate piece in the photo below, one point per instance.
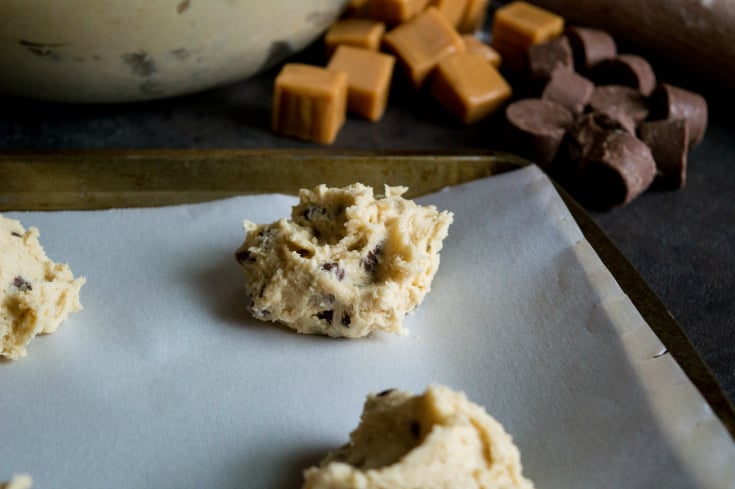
(244, 256)
(668, 140)
(586, 129)
(346, 320)
(569, 89)
(590, 46)
(617, 167)
(538, 127)
(624, 104)
(626, 69)
(17, 235)
(670, 102)
(544, 57)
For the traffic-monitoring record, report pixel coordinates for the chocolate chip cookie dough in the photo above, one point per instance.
(346, 264)
(36, 294)
(438, 439)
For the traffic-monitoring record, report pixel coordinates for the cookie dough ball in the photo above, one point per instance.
(437, 440)
(346, 264)
(36, 294)
(19, 481)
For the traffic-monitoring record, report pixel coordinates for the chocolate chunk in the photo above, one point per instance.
(585, 130)
(624, 104)
(537, 128)
(569, 89)
(668, 140)
(385, 392)
(590, 46)
(326, 316)
(670, 102)
(544, 57)
(17, 235)
(616, 168)
(415, 428)
(626, 69)
(21, 284)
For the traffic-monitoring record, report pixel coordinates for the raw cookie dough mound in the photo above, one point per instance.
(19, 481)
(346, 264)
(437, 440)
(36, 294)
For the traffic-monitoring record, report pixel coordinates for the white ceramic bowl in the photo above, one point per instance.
(129, 50)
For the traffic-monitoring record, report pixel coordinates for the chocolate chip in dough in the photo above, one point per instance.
(370, 261)
(244, 256)
(415, 428)
(385, 392)
(668, 141)
(17, 235)
(326, 316)
(338, 271)
(346, 320)
(21, 284)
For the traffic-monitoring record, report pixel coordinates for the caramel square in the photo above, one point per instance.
(469, 87)
(394, 11)
(475, 45)
(452, 10)
(474, 16)
(420, 43)
(309, 102)
(361, 33)
(368, 78)
(521, 25)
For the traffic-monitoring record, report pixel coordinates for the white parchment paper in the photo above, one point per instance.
(165, 381)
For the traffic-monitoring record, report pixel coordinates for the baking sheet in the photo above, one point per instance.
(164, 380)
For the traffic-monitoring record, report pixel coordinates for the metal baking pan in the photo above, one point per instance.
(115, 179)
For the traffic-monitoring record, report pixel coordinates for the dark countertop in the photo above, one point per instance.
(682, 242)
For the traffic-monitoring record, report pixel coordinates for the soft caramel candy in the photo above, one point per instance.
(394, 11)
(520, 25)
(469, 87)
(473, 17)
(473, 44)
(422, 42)
(309, 102)
(369, 74)
(452, 10)
(362, 33)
